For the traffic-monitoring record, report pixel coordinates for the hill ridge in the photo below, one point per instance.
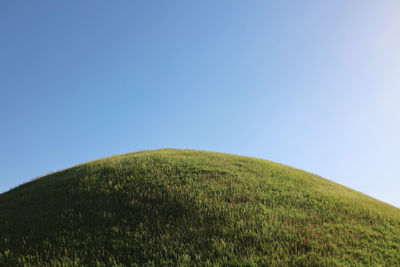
(187, 207)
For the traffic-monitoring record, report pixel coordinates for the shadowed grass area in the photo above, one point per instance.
(182, 207)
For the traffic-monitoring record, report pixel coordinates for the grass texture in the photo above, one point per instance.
(193, 208)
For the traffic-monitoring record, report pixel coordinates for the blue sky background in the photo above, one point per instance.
(311, 84)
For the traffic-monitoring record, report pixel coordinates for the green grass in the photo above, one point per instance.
(193, 208)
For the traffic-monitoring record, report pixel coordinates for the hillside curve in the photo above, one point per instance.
(193, 208)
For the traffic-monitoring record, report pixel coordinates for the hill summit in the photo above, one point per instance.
(193, 208)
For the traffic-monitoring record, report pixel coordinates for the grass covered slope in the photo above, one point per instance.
(181, 207)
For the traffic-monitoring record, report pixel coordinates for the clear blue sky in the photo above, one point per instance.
(311, 84)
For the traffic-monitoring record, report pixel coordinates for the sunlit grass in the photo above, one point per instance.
(181, 207)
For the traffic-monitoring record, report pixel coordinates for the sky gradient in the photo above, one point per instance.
(314, 85)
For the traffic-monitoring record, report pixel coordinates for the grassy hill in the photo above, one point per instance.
(181, 207)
